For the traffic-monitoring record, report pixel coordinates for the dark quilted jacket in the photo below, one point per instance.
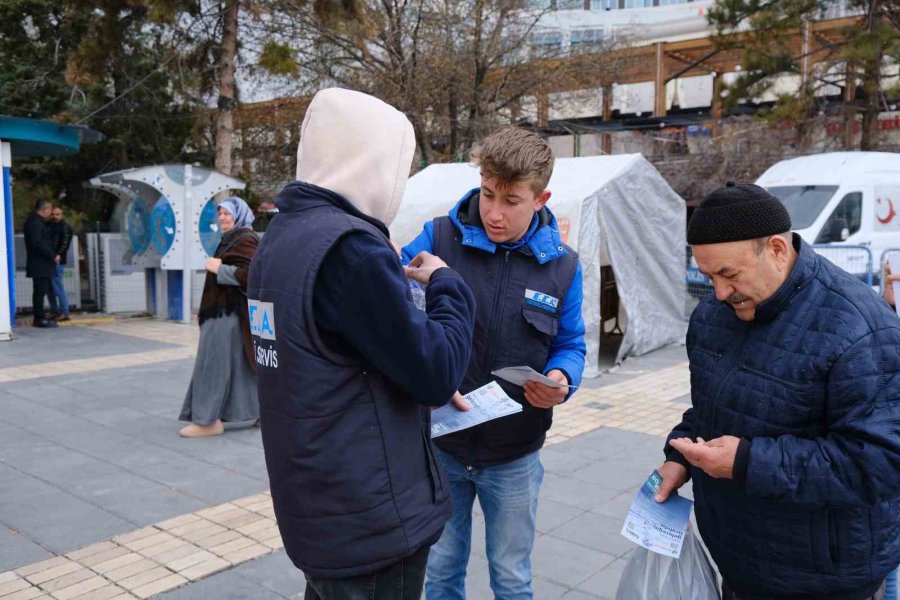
(814, 383)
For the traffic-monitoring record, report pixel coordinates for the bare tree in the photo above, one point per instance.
(457, 68)
(227, 100)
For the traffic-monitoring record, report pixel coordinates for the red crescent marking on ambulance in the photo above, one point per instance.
(891, 213)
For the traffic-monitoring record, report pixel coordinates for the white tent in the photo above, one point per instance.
(614, 210)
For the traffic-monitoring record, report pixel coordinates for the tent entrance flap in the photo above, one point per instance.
(610, 306)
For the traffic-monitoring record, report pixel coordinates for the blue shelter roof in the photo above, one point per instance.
(33, 137)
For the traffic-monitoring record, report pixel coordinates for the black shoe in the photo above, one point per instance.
(45, 323)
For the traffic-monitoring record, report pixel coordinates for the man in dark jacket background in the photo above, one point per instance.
(41, 260)
(62, 239)
(793, 437)
(348, 366)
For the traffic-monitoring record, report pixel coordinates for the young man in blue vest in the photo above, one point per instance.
(348, 367)
(505, 243)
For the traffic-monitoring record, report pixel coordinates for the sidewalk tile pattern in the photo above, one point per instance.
(184, 549)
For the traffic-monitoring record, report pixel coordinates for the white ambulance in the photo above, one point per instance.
(842, 198)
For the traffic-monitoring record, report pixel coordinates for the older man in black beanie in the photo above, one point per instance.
(793, 437)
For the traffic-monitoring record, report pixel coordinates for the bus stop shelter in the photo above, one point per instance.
(26, 138)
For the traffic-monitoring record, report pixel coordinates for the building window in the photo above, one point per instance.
(546, 43)
(559, 4)
(586, 40)
(616, 4)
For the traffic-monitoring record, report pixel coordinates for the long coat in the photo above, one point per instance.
(39, 248)
(236, 248)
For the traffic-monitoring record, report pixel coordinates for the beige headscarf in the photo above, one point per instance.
(358, 146)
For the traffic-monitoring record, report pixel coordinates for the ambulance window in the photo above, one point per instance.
(804, 202)
(850, 211)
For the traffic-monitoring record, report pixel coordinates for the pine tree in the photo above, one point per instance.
(98, 64)
(767, 31)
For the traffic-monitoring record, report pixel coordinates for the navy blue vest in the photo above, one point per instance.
(354, 483)
(511, 329)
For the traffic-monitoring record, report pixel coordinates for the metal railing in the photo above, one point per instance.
(115, 285)
(891, 255)
(698, 284)
(856, 260)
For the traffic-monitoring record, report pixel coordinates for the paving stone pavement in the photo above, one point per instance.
(100, 498)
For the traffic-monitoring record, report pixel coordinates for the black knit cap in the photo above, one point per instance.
(736, 212)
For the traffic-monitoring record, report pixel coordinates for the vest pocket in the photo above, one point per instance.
(543, 322)
(434, 472)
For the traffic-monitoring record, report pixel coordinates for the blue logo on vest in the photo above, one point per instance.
(541, 301)
(262, 319)
(262, 328)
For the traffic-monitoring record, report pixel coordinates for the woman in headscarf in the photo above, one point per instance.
(223, 385)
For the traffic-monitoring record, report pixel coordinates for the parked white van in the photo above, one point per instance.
(843, 198)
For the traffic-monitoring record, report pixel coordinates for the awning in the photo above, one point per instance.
(33, 137)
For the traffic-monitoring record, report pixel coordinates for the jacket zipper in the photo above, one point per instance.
(496, 316)
(493, 331)
(735, 364)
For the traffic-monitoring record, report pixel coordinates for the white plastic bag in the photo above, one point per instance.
(652, 576)
(418, 294)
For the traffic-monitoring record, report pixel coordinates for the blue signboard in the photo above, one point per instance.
(693, 275)
(210, 234)
(162, 219)
(137, 222)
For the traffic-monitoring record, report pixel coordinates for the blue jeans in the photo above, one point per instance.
(508, 495)
(62, 301)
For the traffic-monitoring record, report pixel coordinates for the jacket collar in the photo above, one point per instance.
(804, 271)
(542, 239)
(231, 238)
(299, 196)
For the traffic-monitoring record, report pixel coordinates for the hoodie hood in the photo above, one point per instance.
(359, 147)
